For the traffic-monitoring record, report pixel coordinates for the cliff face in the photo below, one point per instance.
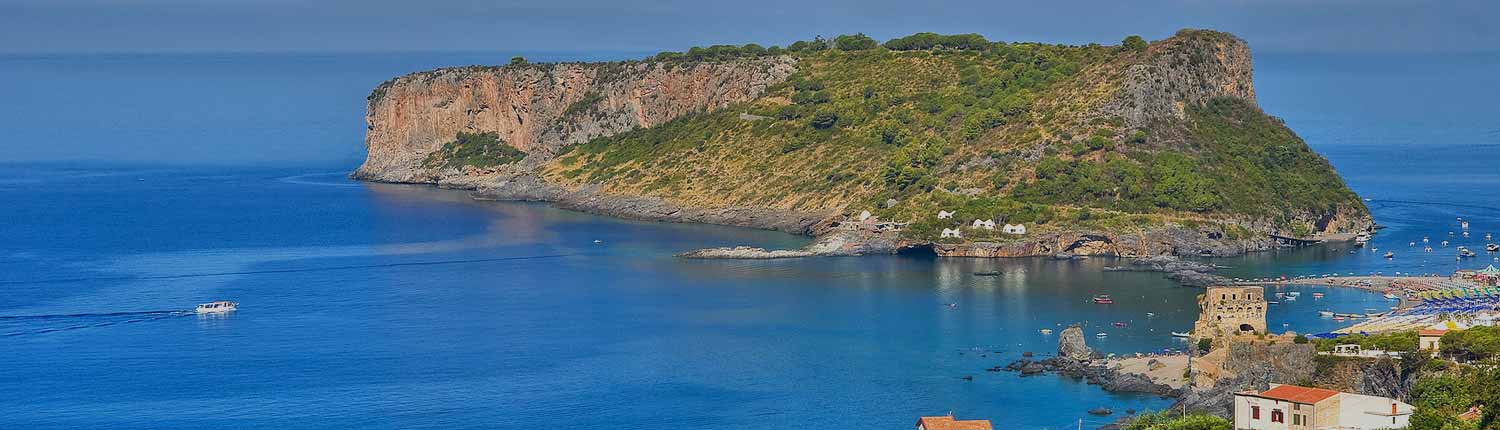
(541, 108)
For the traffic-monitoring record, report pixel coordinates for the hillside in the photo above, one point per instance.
(1126, 150)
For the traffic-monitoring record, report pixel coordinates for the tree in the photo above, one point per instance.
(854, 42)
(517, 60)
(824, 120)
(1205, 344)
(1133, 43)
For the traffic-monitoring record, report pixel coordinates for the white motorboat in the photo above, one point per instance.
(1180, 334)
(217, 307)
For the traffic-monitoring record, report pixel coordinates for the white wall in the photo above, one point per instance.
(1242, 418)
(1370, 412)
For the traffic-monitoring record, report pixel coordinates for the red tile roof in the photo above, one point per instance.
(1429, 332)
(1293, 393)
(948, 423)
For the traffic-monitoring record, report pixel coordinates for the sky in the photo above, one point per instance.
(135, 26)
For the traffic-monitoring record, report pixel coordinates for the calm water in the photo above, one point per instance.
(387, 306)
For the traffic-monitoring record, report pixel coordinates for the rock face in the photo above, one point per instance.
(1205, 240)
(1191, 71)
(1245, 365)
(540, 108)
(1071, 345)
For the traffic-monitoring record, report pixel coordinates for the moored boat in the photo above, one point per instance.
(1390, 255)
(992, 273)
(1317, 295)
(1101, 334)
(1046, 331)
(1325, 313)
(1180, 334)
(217, 307)
(1103, 299)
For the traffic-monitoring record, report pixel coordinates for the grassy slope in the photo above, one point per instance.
(964, 130)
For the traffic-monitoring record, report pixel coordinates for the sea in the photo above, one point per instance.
(222, 177)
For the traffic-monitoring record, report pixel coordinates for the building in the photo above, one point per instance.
(1290, 407)
(1230, 310)
(1014, 229)
(948, 423)
(986, 224)
(1430, 339)
(864, 215)
(952, 232)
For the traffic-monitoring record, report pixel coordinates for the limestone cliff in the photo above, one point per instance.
(539, 108)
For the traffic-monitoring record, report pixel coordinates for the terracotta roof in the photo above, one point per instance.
(1430, 332)
(948, 423)
(1293, 393)
(1473, 413)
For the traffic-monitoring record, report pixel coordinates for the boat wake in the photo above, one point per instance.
(303, 180)
(22, 325)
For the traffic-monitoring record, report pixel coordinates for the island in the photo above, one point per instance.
(953, 144)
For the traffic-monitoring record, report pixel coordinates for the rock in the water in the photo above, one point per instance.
(1101, 411)
(1072, 346)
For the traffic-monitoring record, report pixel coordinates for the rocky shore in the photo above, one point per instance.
(1188, 273)
(1076, 360)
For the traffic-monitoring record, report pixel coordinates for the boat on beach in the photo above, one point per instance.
(216, 307)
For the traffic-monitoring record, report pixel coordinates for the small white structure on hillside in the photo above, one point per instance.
(951, 232)
(864, 215)
(944, 214)
(1014, 229)
(984, 224)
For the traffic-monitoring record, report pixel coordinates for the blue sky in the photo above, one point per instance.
(70, 26)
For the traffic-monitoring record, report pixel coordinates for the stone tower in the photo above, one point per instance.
(1229, 311)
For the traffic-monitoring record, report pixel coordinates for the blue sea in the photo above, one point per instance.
(398, 306)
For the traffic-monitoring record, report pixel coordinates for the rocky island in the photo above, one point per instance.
(953, 143)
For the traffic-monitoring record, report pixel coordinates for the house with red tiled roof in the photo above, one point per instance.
(947, 422)
(1290, 407)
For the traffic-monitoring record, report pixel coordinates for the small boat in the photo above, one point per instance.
(1389, 296)
(598, 241)
(1290, 298)
(217, 307)
(1317, 295)
(1338, 318)
(1180, 334)
(1120, 324)
(1424, 239)
(1294, 294)
(1491, 247)
(1046, 331)
(1150, 314)
(1361, 239)
(992, 273)
(1465, 252)
(1445, 244)
(1101, 334)
(1272, 302)
(1463, 225)
(1390, 255)
(1325, 313)
(1486, 236)
(1412, 244)
(1103, 299)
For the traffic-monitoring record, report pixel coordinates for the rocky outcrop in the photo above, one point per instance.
(539, 108)
(1183, 71)
(1245, 364)
(1188, 273)
(1207, 240)
(1071, 344)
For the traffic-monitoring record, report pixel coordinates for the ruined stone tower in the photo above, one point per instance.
(1229, 311)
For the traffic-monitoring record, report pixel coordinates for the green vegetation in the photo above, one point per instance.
(1440, 397)
(1166, 420)
(1205, 345)
(989, 129)
(1405, 341)
(517, 61)
(1476, 343)
(584, 104)
(474, 149)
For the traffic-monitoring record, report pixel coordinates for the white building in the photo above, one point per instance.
(1290, 407)
(986, 224)
(1015, 229)
(951, 232)
(864, 215)
(944, 214)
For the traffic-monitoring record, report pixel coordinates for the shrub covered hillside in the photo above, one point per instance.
(1057, 137)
